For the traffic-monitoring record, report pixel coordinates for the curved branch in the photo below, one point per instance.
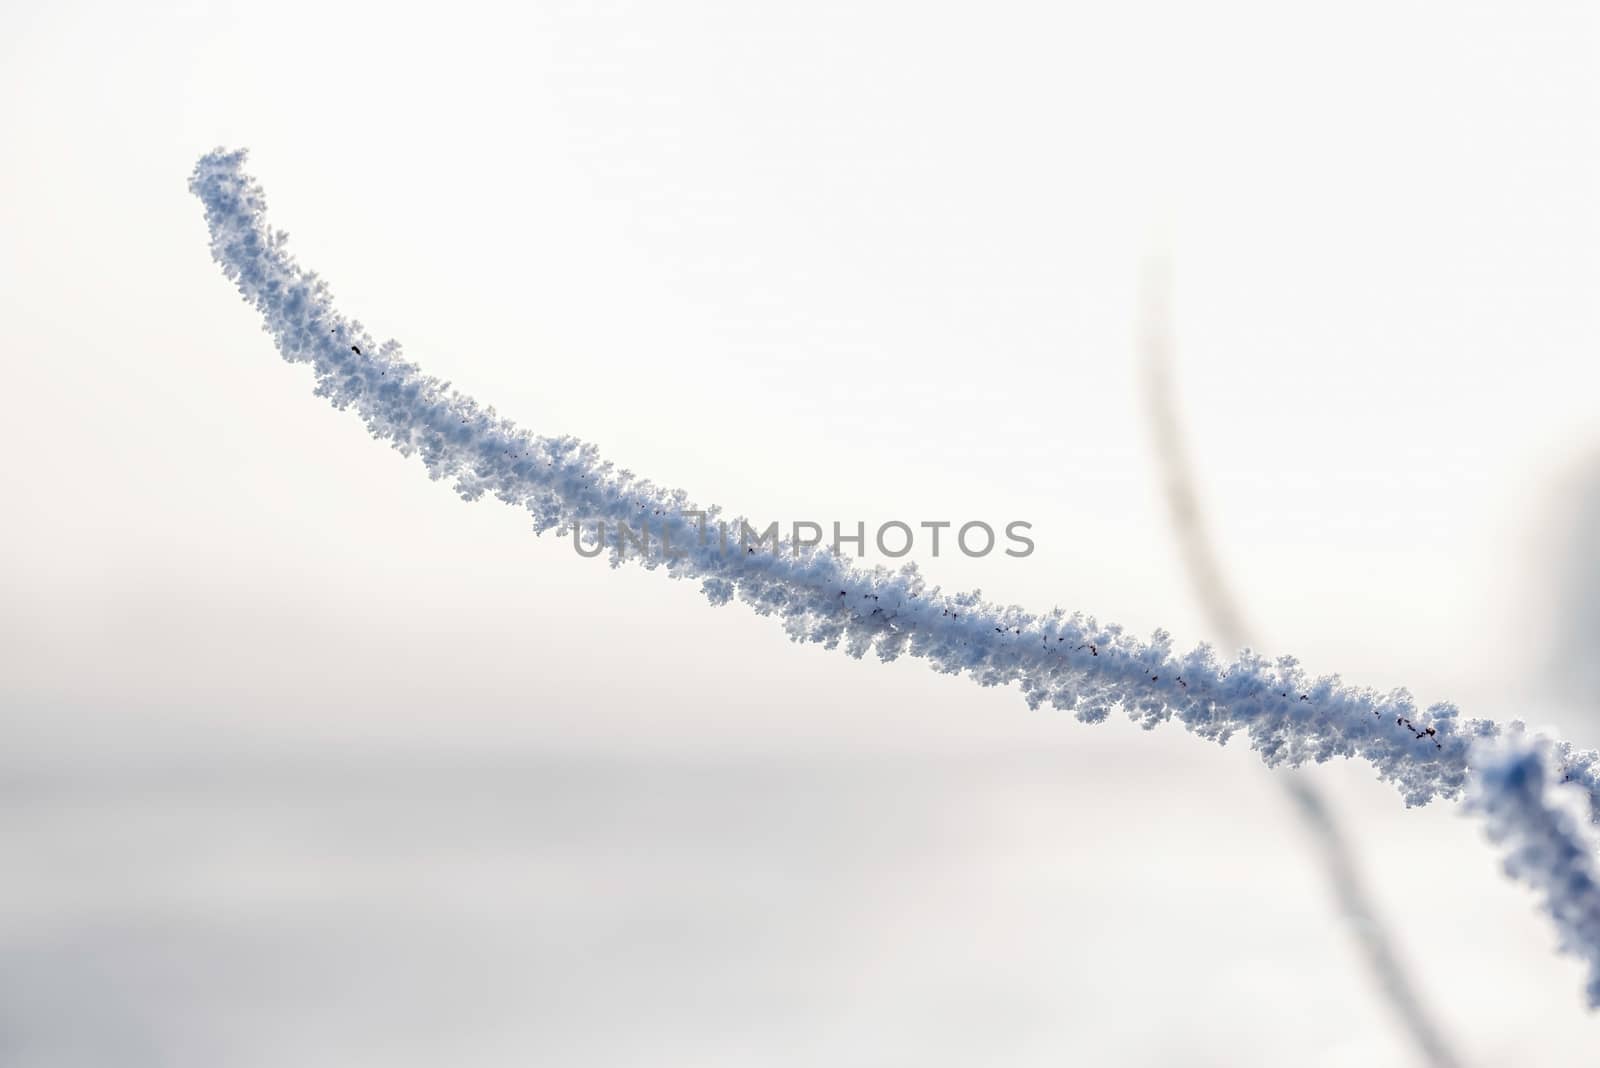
(1216, 597)
(1069, 662)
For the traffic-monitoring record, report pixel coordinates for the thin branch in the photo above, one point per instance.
(1069, 662)
(1216, 597)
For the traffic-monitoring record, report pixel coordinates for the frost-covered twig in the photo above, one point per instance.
(1215, 593)
(1066, 661)
(1540, 817)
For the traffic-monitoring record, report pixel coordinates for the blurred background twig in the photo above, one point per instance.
(1335, 852)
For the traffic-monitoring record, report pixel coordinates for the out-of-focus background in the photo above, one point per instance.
(304, 762)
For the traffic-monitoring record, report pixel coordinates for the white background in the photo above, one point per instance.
(308, 763)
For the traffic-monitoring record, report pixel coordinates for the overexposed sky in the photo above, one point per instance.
(864, 261)
(856, 261)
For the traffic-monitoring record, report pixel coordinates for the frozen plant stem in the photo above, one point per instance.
(1070, 662)
(1549, 838)
(1215, 593)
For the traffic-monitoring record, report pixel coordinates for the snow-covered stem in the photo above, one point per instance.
(1067, 661)
(1540, 817)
